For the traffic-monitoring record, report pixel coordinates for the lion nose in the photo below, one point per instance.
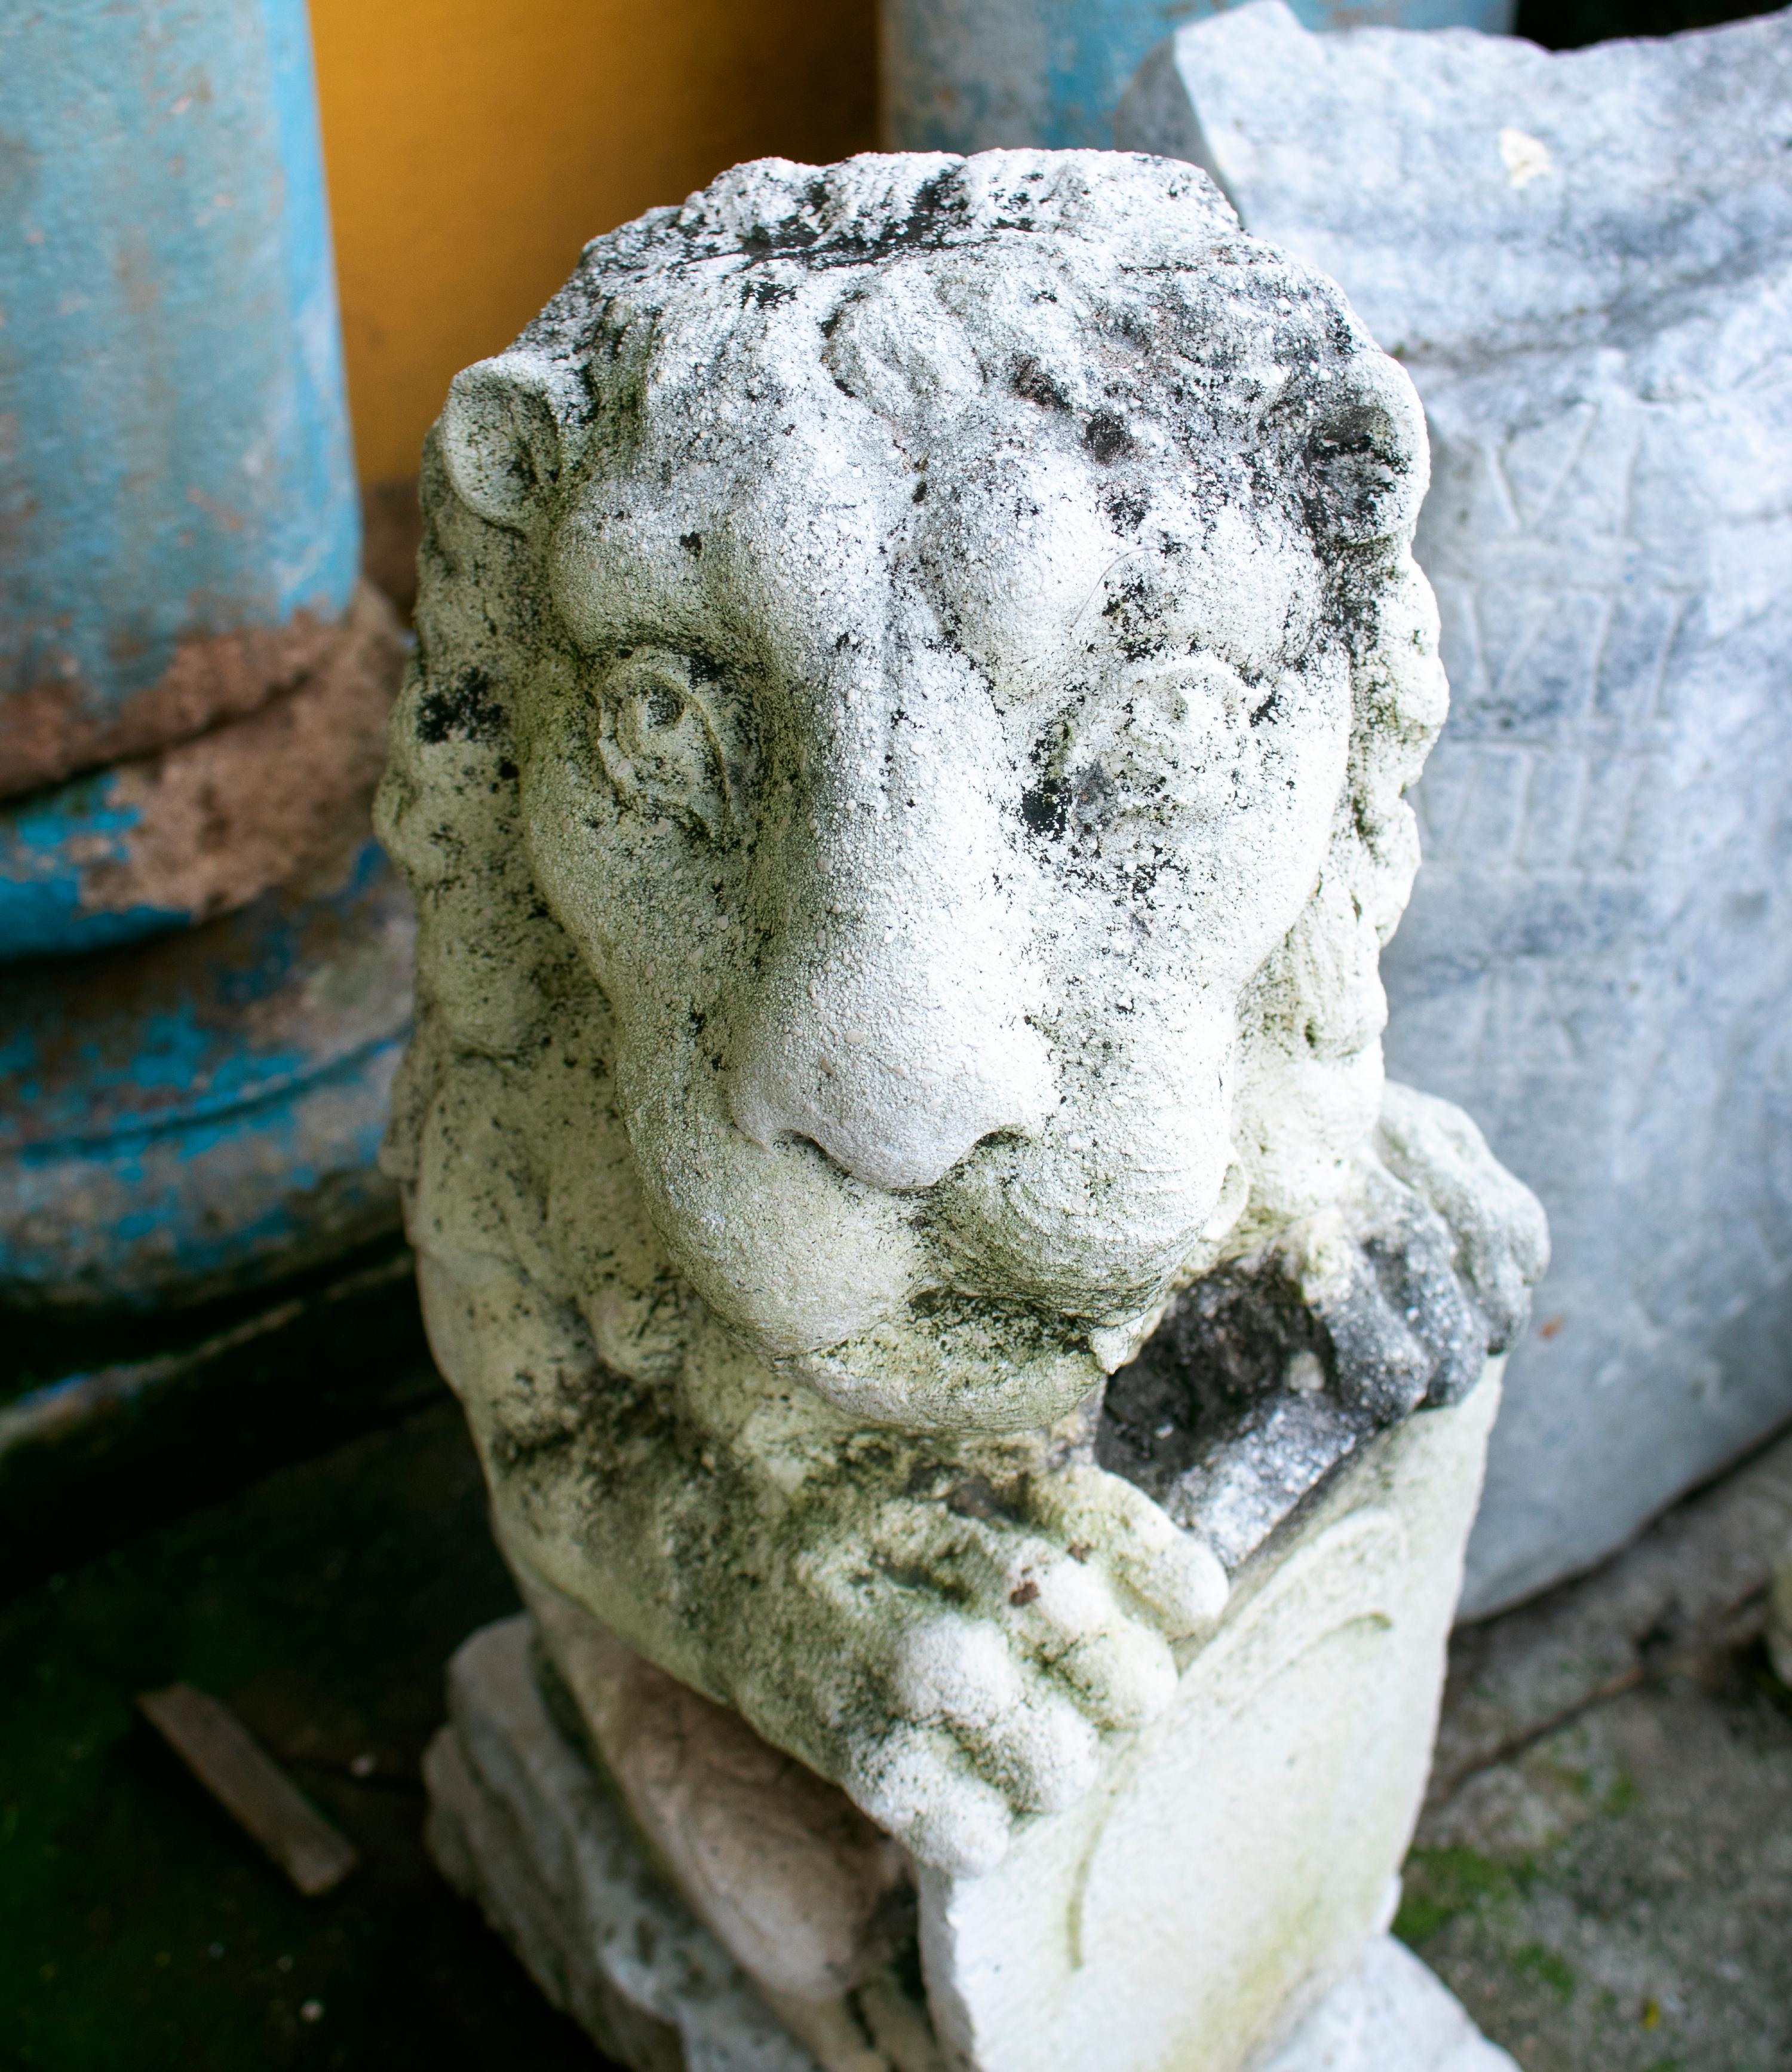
(891, 1029)
(896, 1093)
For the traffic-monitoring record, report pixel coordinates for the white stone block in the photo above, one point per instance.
(1390, 2014)
(1584, 259)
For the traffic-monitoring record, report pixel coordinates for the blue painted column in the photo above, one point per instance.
(976, 74)
(178, 505)
(191, 695)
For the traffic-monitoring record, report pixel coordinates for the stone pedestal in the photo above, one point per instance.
(1217, 1902)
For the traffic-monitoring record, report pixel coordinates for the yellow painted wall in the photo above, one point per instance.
(474, 146)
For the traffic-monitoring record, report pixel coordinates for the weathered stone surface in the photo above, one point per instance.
(804, 1893)
(520, 1822)
(918, 662)
(1273, 1369)
(856, 588)
(1584, 261)
(1234, 1858)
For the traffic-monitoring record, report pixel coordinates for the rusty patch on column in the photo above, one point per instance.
(53, 728)
(267, 800)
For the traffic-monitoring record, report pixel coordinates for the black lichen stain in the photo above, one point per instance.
(1031, 380)
(1135, 612)
(463, 711)
(1356, 464)
(940, 208)
(1107, 437)
(1045, 806)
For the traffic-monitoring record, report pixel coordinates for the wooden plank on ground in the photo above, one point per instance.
(221, 1752)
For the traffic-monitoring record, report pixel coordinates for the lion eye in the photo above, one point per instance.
(659, 739)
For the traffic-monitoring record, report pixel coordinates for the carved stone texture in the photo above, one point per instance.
(1237, 1854)
(1584, 261)
(919, 660)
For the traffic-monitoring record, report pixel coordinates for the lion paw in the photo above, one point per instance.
(986, 1638)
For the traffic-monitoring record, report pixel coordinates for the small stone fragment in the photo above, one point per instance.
(219, 1749)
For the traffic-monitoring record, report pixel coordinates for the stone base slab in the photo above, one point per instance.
(520, 1823)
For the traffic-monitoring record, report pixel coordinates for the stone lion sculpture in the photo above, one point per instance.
(902, 777)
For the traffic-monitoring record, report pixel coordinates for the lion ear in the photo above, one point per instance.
(503, 438)
(1367, 455)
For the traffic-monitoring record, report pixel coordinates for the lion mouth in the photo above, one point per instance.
(1002, 1351)
(996, 1299)
(954, 1362)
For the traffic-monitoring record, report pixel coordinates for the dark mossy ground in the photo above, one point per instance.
(1619, 1897)
(1603, 1875)
(112, 1424)
(138, 1930)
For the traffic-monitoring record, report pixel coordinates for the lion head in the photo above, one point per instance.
(919, 659)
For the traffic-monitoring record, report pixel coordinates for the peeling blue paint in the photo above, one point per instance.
(201, 1112)
(214, 1206)
(50, 843)
(184, 1109)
